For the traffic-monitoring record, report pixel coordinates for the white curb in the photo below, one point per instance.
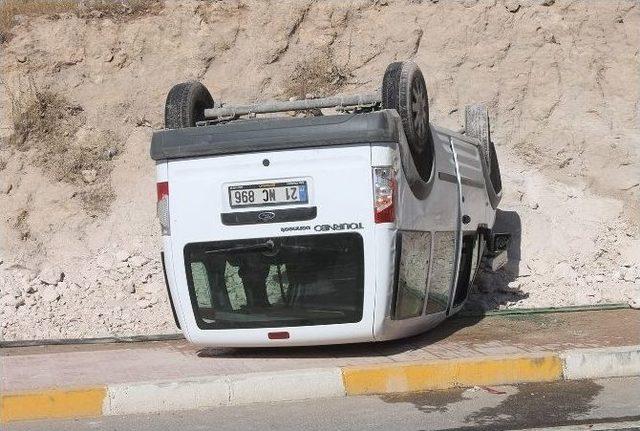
(165, 396)
(601, 362)
(291, 385)
(200, 393)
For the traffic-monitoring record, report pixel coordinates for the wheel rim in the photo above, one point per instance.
(419, 110)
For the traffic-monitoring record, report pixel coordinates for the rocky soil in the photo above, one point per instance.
(81, 94)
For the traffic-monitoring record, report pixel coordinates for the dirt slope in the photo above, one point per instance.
(79, 242)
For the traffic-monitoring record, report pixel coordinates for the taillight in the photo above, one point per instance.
(163, 207)
(384, 189)
(284, 335)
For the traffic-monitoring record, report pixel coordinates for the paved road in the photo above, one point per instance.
(609, 403)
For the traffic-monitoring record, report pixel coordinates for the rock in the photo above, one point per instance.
(121, 264)
(116, 276)
(9, 300)
(137, 261)
(599, 278)
(15, 291)
(142, 122)
(21, 58)
(6, 189)
(89, 175)
(629, 275)
(142, 277)
(49, 294)
(547, 2)
(595, 297)
(512, 5)
(8, 312)
(150, 289)
(634, 300)
(124, 269)
(30, 301)
(108, 282)
(514, 284)
(122, 256)
(31, 288)
(51, 276)
(524, 270)
(104, 261)
(110, 152)
(143, 303)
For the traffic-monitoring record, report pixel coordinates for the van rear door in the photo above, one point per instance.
(275, 239)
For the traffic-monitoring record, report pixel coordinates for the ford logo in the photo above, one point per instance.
(266, 216)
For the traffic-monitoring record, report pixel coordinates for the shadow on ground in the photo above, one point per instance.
(492, 290)
(380, 349)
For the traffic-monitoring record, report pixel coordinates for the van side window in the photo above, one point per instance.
(413, 267)
(468, 265)
(442, 271)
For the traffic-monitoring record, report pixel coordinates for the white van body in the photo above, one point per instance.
(398, 278)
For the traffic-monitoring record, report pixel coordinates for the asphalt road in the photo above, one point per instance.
(578, 405)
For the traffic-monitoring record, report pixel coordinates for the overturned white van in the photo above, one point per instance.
(365, 225)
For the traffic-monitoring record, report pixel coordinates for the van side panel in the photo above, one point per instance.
(435, 212)
(475, 203)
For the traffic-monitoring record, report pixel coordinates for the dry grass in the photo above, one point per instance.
(318, 76)
(42, 116)
(10, 10)
(115, 9)
(21, 225)
(212, 11)
(50, 129)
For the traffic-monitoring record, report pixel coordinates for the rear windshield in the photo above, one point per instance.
(276, 282)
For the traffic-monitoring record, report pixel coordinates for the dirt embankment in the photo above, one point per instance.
(82, 91)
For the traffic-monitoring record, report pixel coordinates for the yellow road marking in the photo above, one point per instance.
(450, 373)
(52, 404)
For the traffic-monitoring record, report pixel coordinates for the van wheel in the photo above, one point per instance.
(185, 105)
(476, 119)
(404, 89)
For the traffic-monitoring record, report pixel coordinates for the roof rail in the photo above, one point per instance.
(342, 102)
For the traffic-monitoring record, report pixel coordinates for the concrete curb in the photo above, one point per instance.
(150, 397)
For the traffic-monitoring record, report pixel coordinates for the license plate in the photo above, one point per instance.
(282, 193)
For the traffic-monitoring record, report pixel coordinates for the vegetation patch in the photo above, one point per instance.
(50, 129)
(10, 10)
(212, 11)
(318, 76)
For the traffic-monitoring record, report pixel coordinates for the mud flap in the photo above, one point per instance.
(497, 246)
(166, 283)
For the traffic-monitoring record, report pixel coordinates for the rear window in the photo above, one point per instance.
(276, 282)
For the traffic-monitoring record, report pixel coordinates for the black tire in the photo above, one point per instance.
(185, 105)
(404, 89)
(496, 177)
(476, 119)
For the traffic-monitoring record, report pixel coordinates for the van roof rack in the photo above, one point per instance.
(343, 103)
